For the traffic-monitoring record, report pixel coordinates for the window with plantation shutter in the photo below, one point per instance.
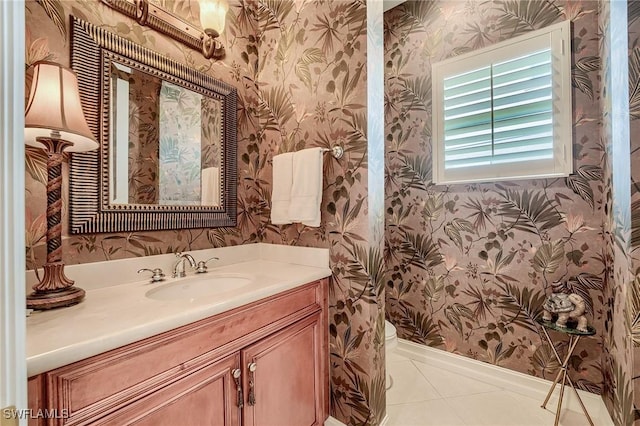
(505, 112)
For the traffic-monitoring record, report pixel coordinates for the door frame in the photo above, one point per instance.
(13, 366)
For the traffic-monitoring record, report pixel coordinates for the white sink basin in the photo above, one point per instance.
(199, 286)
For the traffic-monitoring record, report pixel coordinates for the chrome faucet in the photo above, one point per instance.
(182, 258)
(202, 265)
(157, 274)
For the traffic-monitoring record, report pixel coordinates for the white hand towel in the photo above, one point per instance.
(306, 191)
(210, 195)
(281, 191)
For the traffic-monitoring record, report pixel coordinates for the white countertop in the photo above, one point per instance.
(116, 315)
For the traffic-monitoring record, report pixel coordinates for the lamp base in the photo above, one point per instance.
(42, 301)
(55, 290)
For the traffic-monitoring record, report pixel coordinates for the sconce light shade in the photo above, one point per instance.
(204, 38)
(212, 14)
(54, 106)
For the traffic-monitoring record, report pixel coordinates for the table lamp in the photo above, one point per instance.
(54, 121)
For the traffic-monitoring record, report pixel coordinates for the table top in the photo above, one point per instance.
(568, 330)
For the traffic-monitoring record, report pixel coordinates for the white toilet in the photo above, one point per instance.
(390, 343)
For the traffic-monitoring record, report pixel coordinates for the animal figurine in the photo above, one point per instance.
(555, 304)
(567, 306)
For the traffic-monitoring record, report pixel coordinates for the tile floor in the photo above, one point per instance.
(422, 395)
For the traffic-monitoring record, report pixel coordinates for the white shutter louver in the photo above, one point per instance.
(500, 109)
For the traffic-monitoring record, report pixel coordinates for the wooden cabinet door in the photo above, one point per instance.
(204, 397)
(288, 382)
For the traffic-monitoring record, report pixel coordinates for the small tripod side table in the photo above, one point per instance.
(574, 337)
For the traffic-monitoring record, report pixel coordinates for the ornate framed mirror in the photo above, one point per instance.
(167, 134)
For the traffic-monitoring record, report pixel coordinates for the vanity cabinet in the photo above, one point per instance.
(185, 376)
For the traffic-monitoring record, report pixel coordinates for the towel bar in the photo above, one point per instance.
(337, 151)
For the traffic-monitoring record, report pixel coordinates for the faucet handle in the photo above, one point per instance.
(202, 265)
(157, 274)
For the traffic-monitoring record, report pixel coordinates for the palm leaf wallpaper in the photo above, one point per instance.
(469, 266)
(313, 93)
(464, 268)
(300, 71)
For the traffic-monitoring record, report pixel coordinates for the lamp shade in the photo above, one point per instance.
(212, 14)
(54, 106)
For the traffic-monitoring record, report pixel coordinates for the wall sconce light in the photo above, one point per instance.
(54, 121)
(212, 19)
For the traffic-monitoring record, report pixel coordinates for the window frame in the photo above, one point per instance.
(557, 37)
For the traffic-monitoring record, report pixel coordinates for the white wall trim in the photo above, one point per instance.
(332, 421)
(13, 380)
(510, 380)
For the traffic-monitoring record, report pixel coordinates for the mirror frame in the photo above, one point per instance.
(92, 51)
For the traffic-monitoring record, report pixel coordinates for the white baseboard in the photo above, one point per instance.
(332, 421)
(513, 381)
